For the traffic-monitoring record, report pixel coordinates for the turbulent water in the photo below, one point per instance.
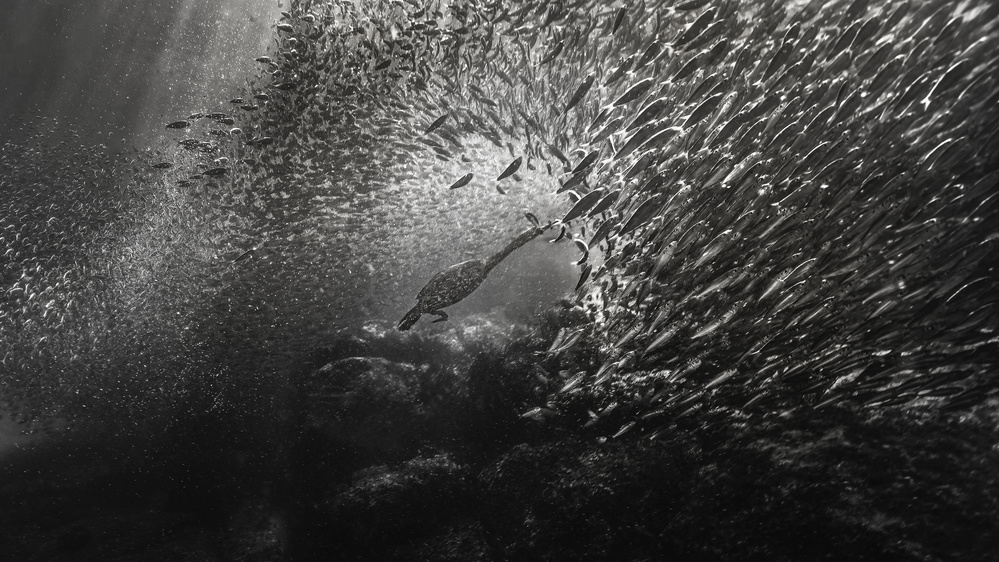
(752, 209)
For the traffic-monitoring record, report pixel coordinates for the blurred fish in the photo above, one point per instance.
(577, 96)
(556, 50)
(437, 123)
(618, 19)
(462, 181)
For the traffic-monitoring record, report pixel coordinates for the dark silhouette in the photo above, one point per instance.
(455, 283)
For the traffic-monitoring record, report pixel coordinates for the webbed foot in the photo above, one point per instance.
(441, 313)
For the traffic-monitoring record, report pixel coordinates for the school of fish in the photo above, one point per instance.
(764, 196)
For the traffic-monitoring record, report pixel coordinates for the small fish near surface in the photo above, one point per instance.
(556, 50)
(511, 169)
(437, 123)
(531, 218)
(584, 204)
(577, 96)
(462, 181)
(584, 275)
(695, 28)
(618, 19)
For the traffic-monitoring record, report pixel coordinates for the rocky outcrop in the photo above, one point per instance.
(370, 404)
(425, 504)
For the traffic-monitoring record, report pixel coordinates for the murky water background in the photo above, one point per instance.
(116, 70)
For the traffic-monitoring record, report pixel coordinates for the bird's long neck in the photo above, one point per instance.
(520, 240)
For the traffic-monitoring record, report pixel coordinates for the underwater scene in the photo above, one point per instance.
(499, 280)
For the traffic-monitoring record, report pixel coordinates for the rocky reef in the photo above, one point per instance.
(441, 465)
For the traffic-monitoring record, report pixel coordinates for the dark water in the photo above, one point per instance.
(764, 327)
